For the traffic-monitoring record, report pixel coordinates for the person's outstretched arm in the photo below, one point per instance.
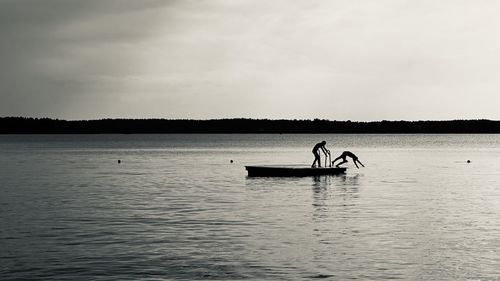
(325, 151)
(359, 162)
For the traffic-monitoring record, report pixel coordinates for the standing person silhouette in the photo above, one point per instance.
(315, 151)
(346, 154)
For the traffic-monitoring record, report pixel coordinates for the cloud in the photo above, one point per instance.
(358, 60)
(333, 59)
(58, 55)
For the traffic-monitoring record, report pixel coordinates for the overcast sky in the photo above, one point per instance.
(332, 59)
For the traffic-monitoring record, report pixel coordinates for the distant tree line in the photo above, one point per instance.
(22, 125)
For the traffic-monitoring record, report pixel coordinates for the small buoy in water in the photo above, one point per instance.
(468, 161)
(119, 161)
(231, 161)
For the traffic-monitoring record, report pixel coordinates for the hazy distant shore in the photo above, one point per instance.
(22, 125)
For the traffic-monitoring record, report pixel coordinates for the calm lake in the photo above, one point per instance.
(175, 208)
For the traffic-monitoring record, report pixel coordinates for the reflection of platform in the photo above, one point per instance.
(291, 171)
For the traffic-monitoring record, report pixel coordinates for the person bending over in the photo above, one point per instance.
(346, 154)
(315, 151)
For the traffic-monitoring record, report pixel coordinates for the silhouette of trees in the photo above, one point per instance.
(22, 125)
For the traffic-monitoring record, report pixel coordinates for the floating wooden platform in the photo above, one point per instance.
(291, 171)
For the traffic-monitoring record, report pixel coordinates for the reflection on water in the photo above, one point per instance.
(327, 189)
(176, 208)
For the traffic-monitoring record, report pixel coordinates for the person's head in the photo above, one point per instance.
(323, 142)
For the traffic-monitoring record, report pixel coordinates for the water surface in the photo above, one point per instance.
(177, 209)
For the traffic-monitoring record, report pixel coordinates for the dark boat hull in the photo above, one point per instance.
(291, 171)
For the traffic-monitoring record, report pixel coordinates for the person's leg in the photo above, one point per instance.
(333, 162)
(316, 159)
(343, 161)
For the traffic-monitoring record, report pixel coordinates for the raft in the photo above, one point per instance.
(291, 171)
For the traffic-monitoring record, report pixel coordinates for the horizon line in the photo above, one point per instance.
(248, 118)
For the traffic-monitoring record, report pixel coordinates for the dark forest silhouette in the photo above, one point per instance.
(22, 125)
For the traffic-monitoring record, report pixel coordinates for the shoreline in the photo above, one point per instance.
(24, 125)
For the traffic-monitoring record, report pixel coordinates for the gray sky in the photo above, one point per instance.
(333, 59)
